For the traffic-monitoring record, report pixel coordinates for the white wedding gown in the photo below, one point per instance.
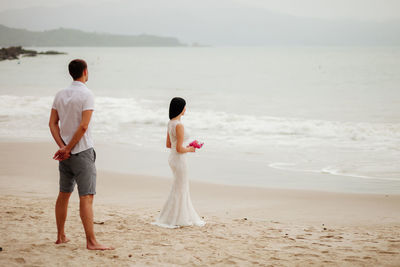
(178, 210)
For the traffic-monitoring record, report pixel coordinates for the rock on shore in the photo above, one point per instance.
(14, 52)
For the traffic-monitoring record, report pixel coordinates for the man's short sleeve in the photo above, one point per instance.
(88, 104)
(55, 102)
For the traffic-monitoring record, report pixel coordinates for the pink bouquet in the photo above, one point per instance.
(196, 144)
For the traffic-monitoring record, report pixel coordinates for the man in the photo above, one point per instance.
(70, 126)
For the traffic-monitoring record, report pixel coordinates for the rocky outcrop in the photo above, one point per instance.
(14, 52)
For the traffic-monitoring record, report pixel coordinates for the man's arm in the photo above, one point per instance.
(64, 152)
(55, 129)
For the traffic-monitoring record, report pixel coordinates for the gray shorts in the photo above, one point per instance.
(79, 169)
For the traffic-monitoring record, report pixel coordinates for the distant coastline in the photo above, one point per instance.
(71, 37)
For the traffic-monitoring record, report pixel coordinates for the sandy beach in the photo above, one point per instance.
(245, 225)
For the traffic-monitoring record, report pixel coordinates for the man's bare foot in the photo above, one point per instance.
(62, 239)
(97, 246)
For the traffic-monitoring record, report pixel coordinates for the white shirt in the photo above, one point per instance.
(70, 103)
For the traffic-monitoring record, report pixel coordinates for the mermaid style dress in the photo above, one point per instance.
(178, 209)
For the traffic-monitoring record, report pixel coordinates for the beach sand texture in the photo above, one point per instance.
(245, 226)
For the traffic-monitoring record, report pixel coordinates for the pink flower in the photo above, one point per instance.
(196, 144)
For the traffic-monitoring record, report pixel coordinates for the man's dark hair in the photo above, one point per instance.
(76, 68)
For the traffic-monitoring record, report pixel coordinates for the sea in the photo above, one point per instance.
(315, 118)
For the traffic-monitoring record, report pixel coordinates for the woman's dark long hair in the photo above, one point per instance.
(176, 107)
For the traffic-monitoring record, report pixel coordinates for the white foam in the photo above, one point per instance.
(325, 170)
(127, 116)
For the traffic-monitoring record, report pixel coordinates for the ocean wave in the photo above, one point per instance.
(128, 116)
(326, 170)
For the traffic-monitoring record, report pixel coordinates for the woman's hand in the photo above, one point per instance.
(191, 149)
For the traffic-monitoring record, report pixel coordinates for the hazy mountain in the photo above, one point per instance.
(215, 26)
(70, 37)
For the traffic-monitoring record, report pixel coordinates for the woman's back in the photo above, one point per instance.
(172, 133)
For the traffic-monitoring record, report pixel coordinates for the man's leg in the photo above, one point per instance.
(86, 212)
(61, 216)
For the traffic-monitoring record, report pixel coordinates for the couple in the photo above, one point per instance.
(70, 127)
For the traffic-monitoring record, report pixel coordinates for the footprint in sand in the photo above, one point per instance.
(259, 246)
(331, 236)
(370, 248)
(20, 260)
(160, 244)
(387, 252)
(395, 246)
(275, 259)
(306, 254)
(302, 247)
(40, 245)
(352, 260)
(11, 212)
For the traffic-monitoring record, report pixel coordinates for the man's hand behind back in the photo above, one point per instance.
(62, 154)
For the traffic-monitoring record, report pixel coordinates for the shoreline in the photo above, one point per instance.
(222, 170)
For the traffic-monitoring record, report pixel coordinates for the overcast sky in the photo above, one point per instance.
(336, 9)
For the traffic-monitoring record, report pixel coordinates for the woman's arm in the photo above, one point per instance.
(168, 141)
(179, 137)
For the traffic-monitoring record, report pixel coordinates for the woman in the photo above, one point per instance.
(178, 210)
